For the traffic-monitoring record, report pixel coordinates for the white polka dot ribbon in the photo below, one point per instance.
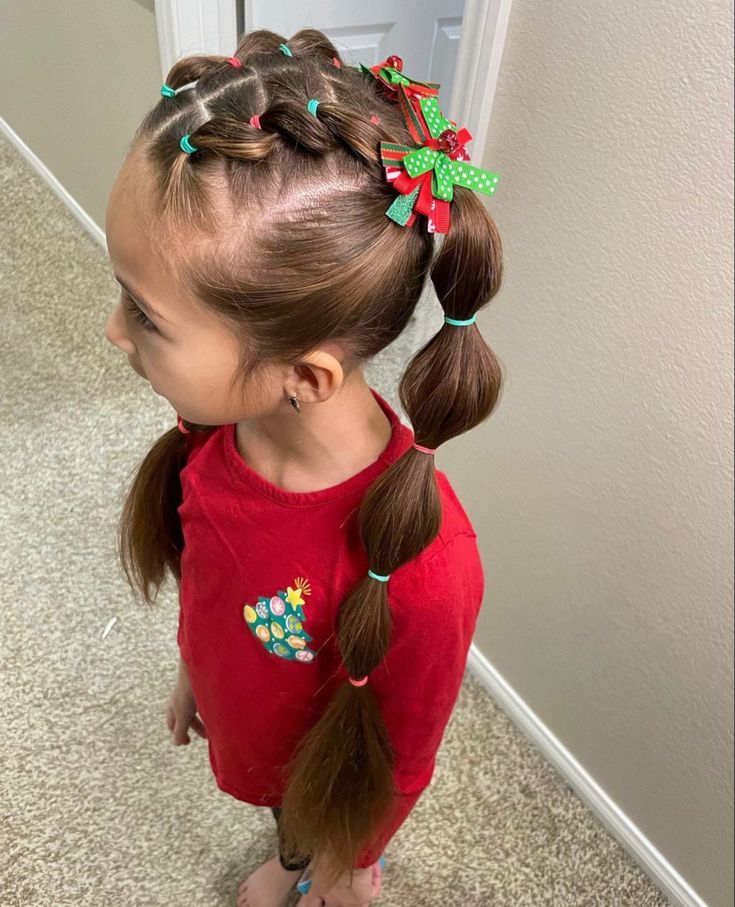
(447, 171)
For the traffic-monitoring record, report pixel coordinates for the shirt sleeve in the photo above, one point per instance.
(435, 608)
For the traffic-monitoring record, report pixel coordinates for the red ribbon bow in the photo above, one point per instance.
(418, 191)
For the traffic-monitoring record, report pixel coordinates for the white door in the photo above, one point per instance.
(425, 33)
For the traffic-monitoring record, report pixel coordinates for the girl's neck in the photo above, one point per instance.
(323, 445)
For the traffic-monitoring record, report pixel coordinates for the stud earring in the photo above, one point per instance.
(294, 402)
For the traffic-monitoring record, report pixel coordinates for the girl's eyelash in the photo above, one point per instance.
(139, 315)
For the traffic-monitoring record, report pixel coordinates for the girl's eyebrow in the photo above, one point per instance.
(140, 300)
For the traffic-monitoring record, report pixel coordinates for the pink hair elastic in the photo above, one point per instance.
(233, 61)
(358, 683)
(182, 428)
(255, 121)
(374, 119)
(429, 450)
(336, 63)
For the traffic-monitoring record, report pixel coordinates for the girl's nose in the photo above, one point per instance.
(115, 331)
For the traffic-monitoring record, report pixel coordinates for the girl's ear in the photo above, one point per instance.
(323, 373)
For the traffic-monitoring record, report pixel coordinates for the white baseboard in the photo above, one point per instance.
(48, 177)
(651, 861)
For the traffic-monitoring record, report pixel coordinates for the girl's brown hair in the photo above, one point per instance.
(308, 255)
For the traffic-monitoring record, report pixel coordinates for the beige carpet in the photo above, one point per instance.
(97, 806)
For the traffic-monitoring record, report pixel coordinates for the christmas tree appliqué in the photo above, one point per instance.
(277, 622)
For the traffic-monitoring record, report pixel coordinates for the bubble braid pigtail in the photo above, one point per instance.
(149, 536)
(449, 386)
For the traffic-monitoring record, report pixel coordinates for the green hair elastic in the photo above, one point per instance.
(167, 91)
(363, 680)
(285, 49)
(458, 322)
(186, 144)
(312, 106)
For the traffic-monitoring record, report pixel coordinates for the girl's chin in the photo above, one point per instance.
(168, 399)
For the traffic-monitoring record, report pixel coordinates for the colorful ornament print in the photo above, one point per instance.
(277, 622)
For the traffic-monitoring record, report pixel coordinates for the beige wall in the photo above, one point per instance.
(76, 78)
(603, 501)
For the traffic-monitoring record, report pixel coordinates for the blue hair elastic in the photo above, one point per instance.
(457, 322)
(383, 579)
(167, 91)
(285, 49)
(312, 106)
(186, 144)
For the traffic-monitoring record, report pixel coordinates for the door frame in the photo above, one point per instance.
(194, 27)
(211, 26)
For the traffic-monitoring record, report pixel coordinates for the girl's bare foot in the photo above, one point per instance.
(377, 885)
(268, 886)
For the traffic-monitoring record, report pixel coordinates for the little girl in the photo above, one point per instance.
(329, 578)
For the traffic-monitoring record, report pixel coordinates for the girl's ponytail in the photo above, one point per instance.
(341, 787)
(149, 531)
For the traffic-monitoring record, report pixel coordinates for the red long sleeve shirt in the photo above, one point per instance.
(263, 573)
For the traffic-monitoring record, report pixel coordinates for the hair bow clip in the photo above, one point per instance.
(425, 174)
(390, 74)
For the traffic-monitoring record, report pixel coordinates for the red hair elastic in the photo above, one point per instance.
(233, 61)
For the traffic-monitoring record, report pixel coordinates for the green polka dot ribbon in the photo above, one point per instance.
(425, 176)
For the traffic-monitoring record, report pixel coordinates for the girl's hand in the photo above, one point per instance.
(181, 712)
(365, 886)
